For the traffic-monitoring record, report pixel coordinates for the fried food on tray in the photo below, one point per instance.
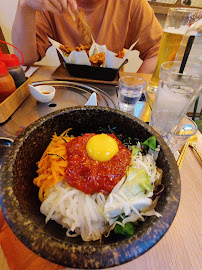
(97, 59)
(67, 50)
(120, 54)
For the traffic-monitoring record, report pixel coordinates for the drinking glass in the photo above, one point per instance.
(176, 91)
(178, 135)
(177, 22)
(129, 92)
(195, 55)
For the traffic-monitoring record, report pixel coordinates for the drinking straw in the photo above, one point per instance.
(184, 60)
(186, 53)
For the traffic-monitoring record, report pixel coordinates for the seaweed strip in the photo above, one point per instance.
(56, 155)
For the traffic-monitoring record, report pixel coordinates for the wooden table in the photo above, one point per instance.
(179, 249)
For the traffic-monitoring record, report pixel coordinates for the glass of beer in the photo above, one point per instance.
(177, 22)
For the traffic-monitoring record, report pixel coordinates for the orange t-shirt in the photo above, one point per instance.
(115, 23)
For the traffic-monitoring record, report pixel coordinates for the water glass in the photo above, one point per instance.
(177, 92)
(129, 92)
(177, 22)
(178, 135)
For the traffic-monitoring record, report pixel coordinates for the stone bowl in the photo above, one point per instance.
(21, 206)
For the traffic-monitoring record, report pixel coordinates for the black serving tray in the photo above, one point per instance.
(91, 72)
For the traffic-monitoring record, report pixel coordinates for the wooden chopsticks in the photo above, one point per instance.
(82, 25)
(182, 155)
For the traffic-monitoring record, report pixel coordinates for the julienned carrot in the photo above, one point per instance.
(53, 163)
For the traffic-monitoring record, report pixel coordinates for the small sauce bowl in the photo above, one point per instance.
(42, 93)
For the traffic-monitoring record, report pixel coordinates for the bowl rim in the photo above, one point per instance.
(132, 247)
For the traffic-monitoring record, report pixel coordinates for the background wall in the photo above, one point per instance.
(7, 14)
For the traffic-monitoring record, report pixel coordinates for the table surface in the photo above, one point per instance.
(180, 248)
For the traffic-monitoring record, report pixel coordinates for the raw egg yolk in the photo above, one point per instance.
(102, 147)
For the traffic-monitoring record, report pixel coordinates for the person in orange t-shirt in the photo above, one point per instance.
(115, 23)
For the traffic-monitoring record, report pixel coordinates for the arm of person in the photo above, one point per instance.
(148, 65)
(24, 26)
(24, 33)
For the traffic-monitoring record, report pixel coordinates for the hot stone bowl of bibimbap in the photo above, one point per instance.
(89, 187)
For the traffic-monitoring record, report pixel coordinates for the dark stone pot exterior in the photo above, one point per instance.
(20, 203)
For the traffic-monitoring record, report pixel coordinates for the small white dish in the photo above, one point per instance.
(42, 93)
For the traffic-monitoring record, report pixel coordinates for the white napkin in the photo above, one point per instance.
(92, 101)
(114, 62)
(24, 67)
(79, 58)
(29, 71)
(111, 61)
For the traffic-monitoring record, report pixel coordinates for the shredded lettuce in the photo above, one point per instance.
(135, 150)
(131, 199)
(137, 181)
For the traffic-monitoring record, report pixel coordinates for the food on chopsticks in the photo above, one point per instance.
(83, 26)
(92, 184)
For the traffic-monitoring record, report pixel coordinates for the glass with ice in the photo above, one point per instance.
(175, 137)
(176, 92)
(177, 22)
(129, 92)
